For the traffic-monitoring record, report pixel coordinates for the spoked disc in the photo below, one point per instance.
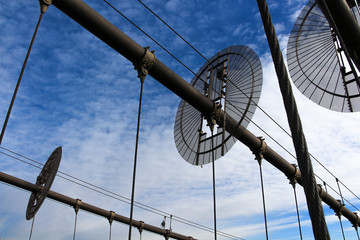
(44, 180)
(318, 65)
(233, 79)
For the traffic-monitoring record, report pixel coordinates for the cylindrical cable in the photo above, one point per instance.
(135, 159)
(309, 183)
(213, 177)
(263, 199)
(20, 77)
(297, 211)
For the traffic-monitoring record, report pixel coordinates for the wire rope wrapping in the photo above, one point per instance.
(316, 211)
(44, 4)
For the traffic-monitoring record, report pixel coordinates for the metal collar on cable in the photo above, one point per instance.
(145, 64)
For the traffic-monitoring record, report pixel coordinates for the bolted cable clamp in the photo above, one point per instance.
(111, 217)
(293, 178)
(141, 226)
(167, 234)
(259, 152)
(214, 117)
(145, 64)
(77, 205)
(44, 5)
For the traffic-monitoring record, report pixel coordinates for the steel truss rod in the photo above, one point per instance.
(123, 44)
(90, 208)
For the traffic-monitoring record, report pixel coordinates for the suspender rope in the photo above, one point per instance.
(342, 204)
(342, 198)
(259, 156)
(32, 227)
(309, 183)
(76, 208)
(338, 214)
(213, 175)
(143, 67)
(44, 4)
(293, 184)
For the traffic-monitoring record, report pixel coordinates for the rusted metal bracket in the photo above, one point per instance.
(145, 64)
(44, 5)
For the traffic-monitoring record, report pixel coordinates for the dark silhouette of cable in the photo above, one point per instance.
(20, 76)
(316, 211)
(135, 155)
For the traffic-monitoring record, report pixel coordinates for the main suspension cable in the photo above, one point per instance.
(316, 211)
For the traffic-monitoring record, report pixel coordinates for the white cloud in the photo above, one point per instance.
(85, 98)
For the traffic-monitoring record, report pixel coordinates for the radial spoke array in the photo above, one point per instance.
(243, 71)
(316, 64)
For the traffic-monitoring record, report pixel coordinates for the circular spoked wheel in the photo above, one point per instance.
(316, 64)
(44, 182)
(232, 79)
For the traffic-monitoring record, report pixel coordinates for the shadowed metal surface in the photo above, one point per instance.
(243, 79)
(316, 64)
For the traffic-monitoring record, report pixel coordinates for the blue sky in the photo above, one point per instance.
(78, 93)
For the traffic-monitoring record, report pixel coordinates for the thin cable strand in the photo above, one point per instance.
(135, 159)
(20, 77)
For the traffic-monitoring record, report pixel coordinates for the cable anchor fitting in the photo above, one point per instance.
(141, 226)
(214, 117)
(167, 234)
(259, 152)
(338, 210)
(296, 175)
(146, 63)
(44, 5)
(77, 205)
(111, 217)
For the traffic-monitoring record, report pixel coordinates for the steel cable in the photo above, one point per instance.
(20, 77)
(316, 211)
(135, 157)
